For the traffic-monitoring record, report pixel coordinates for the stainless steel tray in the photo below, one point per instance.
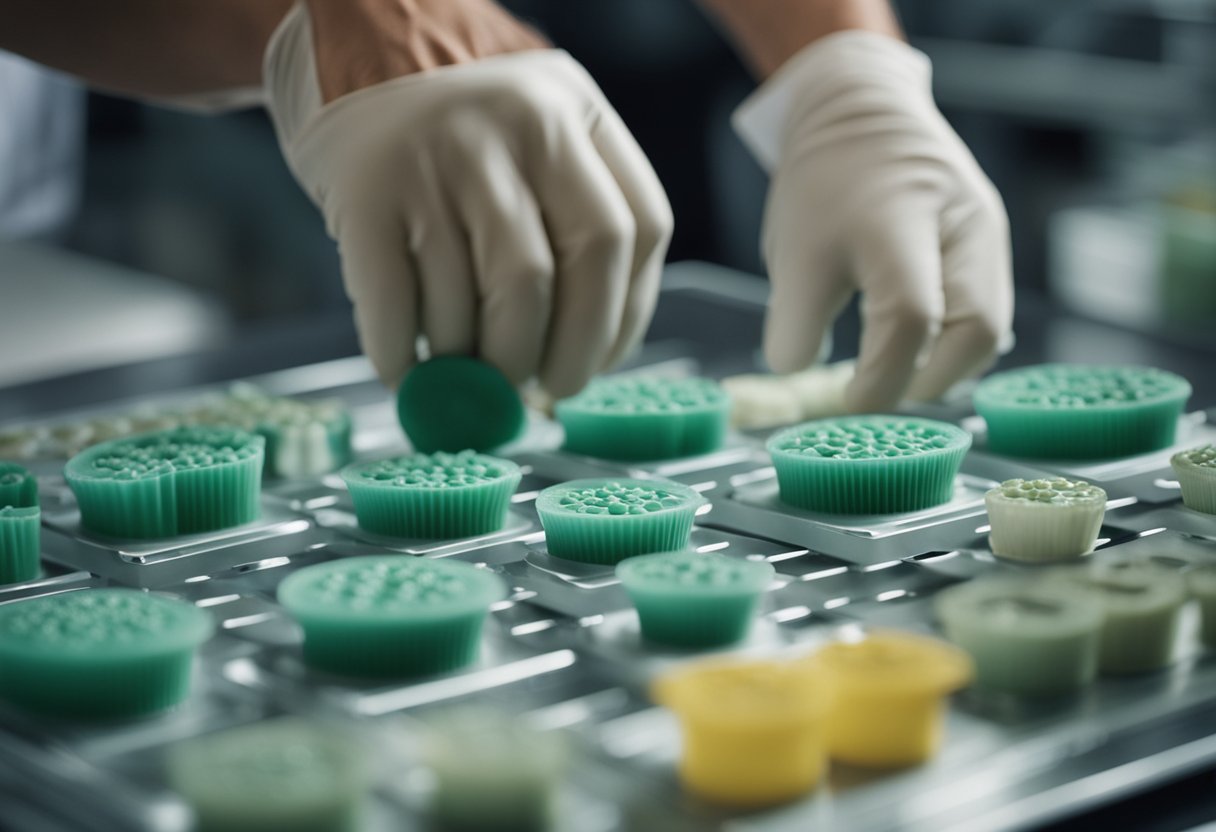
(563, 651)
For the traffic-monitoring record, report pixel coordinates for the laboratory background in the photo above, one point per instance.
(163, 274)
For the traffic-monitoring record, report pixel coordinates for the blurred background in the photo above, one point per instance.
(1096, 119)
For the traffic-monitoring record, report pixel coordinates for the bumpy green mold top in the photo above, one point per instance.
(286, 762)
(431, 471)
(1203, 457)
(389, 587)
(102, 623)
(617, 497)
(1057, 492)
(621, 396)
(694, 572)
(1025, 606)
(18, 487)
(1080, 386)
(868, 437)
(165, 452)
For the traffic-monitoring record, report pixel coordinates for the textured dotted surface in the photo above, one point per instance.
(616, 498)
(437, 470)
(93, 618)
(1075, 386)
(1058, 491)
(295, 762)
(648, 395)
(867, 438)
(390, 584)
(1204, 457)
(691, 570)
(174, 450)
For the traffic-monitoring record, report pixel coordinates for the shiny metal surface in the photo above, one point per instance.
(564, 650)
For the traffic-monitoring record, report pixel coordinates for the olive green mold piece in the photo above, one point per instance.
(873, 464)
(437, 495)
(645, 418)
(455, 403)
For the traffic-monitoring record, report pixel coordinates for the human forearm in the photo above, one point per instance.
(145, 47)
(769, 32)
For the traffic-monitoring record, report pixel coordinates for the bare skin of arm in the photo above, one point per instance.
(156, 48)
(767, 33)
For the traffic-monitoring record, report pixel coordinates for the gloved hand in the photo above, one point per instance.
(499, 207)
(872, 191)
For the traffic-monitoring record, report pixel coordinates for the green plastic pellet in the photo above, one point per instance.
(868, 464)
(1079, 411)
(687, 599)
(607, 520)
(99, 653)
(285, 774)
(438, 495)
(20, 525)
(1044, 520)
(391, 616)
(168, 483)
(454, 403)
(645, 418)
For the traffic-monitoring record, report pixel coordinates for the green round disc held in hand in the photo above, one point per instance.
(454, 403)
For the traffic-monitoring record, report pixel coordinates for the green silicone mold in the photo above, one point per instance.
(1026, 637)
(1141, 605)
(686, 599)
(285, 774)
(868, 464)
(181, 481)
(391, 616)
(436, 495)
(455, 404)
(645, 419)
(607, 520)
(99, 653)
(20, 524)
(1044, 520)
(1202, 585)
(1076, 411)
(1196, 472)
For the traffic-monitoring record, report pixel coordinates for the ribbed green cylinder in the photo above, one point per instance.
(20, 534)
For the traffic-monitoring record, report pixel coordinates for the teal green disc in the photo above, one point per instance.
(688, 599)
(607, 520)
(20, 525)
(645, 418)
(279, 775)
(437, 495)
(173, 482)
(454, 403)
(868, 464)
(391, 616)
(1079, 411)
(99, 653)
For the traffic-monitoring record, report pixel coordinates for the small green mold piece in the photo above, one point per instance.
(391, 616)
(437, 495)
(868, 464)
(285, 774)
(1196, 472)
(1079, 411)
(20, 525)
(99, 653)
(645, 418)
(692, 600)
(168, 483)
(455, 403)
(607, 520)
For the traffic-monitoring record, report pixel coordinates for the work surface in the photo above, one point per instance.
(564, 649)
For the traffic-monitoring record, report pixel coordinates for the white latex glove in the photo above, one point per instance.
(500, 207)
(872, 191)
